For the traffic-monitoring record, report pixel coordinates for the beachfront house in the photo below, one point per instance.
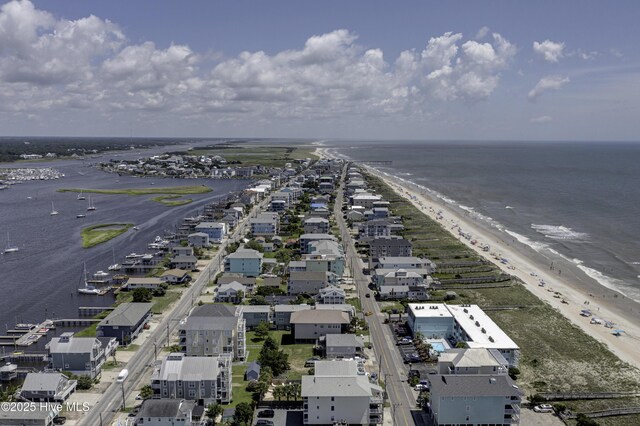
(474, 399)
(389, 247)
(461, 323)
(340, 392)
(125, 322)
(205, 380)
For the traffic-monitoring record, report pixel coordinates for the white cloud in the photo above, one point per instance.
(49, 63)
(552, 82)
(549, 50)
(541, 119)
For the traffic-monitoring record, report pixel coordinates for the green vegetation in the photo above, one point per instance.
(239, 386)
(266, 156)
(161, 303)
(90, 331)
(163, 200)
(271, 356)
(175, 190)
(98, 234)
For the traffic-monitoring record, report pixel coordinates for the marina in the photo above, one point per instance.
(27, 334)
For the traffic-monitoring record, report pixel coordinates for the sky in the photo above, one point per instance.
(426, 70)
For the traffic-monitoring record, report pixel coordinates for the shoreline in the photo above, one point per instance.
(604, 303)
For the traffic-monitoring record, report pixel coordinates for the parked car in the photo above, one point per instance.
(543, 408)
(367, 295)
(404, 341)
(60, 420)
(266, 413)
(263, 422)
(420, 387)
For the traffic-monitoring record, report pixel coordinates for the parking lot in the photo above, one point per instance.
(282, 417)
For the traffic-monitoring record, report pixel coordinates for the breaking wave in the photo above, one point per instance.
(560, 232)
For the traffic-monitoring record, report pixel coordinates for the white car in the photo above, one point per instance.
(420, 387)
(543, 408)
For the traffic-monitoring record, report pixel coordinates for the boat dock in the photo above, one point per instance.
(83, 322)
(24, 335)
(90, 311)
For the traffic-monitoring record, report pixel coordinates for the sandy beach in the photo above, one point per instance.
(564, 288)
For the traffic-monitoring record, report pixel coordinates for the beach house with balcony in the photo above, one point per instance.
(243, 261)
(125, 322)
(339, 392)
(82, 356)
(214, 329)
(202, 379)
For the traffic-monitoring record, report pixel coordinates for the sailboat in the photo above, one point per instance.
(10, 248)
(80, 196)
(53, 210)
(115, 266)
(91, 206)
(87, 289)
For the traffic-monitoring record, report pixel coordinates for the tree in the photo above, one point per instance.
(243, 414)
(146, 392)
(262, 330)
(214, 410)
(159, 291)
(84, 382)
(271, 356)
(254, 245)
(514, 372)
(239, 296)
(142, 295)
(278, 392)
(175, 348)
(258, 300)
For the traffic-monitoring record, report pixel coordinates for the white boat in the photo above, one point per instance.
(53, 210)
(10, 248)
(135, 228)
(115, 266)
(80, 196)
(81, 215)
(100, 275)
(91, 206)
(87, 289)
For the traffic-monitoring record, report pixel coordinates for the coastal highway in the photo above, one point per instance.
(392, 368)
(111, 401)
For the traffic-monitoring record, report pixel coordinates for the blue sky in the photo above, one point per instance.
(545, 70)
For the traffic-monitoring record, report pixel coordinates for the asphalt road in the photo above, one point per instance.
(111, 401)
(392, 368)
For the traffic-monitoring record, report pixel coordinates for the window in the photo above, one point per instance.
(332, 399)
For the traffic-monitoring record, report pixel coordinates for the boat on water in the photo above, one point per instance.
(79, 216)
(135, 228)
(81, 197)
(26, 327)
(54, 212)
(87, 289)
(114, 266)
(10, 248)
(91, 206)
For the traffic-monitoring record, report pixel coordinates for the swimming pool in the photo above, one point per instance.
(437, 346)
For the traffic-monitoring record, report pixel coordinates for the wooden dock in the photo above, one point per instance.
(90, 311)
(83, 322)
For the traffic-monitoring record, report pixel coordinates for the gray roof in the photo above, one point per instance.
(245, 254)
(233, 285)
(395, 242)
(323, 316)
(357, 386)
(291, 308)
(254, 366)
(472, 385)
(309, 276)
(211, 316)
(165, 408)
(213, 310)
(256, 308)
(36, 382)
(210, 225)
(331, 289)
(318, 237)
(344, 340)
(184, 259)
(187, 368)
(75, 345)
(313, 219)
(127, 314)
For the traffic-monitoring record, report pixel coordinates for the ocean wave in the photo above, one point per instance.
(605, 280)
(560, 232)
(537, 246)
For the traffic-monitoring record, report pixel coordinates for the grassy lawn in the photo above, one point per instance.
(87, 332)
(355, 302)
(98, 234)
(164, 200)
(176, 190)
(298, 352)
(239, 391)
(161, 303)
(131, 348)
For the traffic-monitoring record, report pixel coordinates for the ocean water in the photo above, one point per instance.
(576, 200)
(40, 280)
